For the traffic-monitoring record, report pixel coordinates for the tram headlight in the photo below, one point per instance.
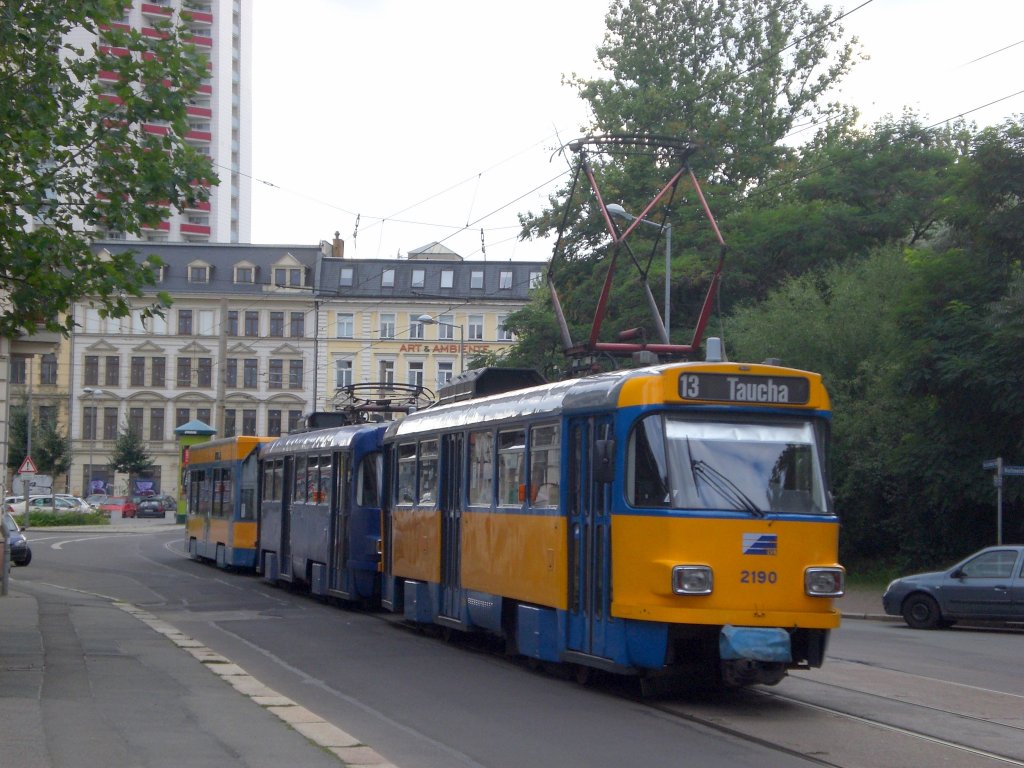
(692, 580)
(825, 582)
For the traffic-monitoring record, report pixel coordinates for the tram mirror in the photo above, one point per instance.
(604, 460)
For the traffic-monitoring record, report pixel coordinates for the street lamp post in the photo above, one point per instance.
(91, 393)
(428, 320)
(617, 210)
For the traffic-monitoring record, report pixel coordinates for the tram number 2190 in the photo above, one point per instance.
(758, 577)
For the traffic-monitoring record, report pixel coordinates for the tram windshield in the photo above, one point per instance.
(756, 467)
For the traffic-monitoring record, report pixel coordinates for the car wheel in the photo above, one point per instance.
(921, 612)
(27, 559)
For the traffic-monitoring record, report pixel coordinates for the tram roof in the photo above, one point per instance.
(331, 437)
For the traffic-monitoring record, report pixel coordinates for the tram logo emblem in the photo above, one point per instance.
(760, 543)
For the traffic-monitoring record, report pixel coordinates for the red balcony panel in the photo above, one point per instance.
(207, 89)
(194, 229)
(155, 10)
(156, 34)
(204, 136)
(199, 111)
(163, 226)
(111, 51)
(158, 130)
(116, 25)
(200, 183)
(204, 42)
(203, 205)
(199, 17)
(108, 76)
(111, 98)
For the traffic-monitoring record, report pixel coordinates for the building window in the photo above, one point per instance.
(447, 278)
(444, 374)
(135, 420)
(180, 417)
(416, 374)
(112, 377)
(207, 324)
(294, 374)
(446, 326)
(505, 281)
(204, 373)
(386, 372)
(343, 373)
(229, 422)
(387, 278)
(504, 334)
(232, 322)
(159, 372)
(294, 420)
(387, 326)
(415, 328)
(249, 421)
(89, 422)
(245, 275)
(231, 373)
(276, 376)
(203, 414)
(48, 414)
(535, 278)
(277, 324)
(137, 372)
(156, 424)
(419, 277)
(287, 276)
(110, 423)
(346, 276)
(252, 322)
(184, 322)
(274, 422)
(476, 279)
(184, 377)
(297, 323)
(198, 274)
(345, 325)
(476, 327)
(91, 375)
(250, 374)
(48, 370)
(18, 367)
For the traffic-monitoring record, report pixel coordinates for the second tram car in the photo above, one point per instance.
(672, 520)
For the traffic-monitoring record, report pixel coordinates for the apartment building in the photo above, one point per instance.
(259, 336)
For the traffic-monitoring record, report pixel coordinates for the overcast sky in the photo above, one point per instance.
(432, 121)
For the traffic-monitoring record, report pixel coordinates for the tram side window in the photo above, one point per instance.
(368, 480)
(227, 492)
(511, 467)
(647, 466)
(322, 493)
(545, 466)
(406, 476)
(428, 472)
(204, 483)
(268, 481)
(481, 468)
(299, 480)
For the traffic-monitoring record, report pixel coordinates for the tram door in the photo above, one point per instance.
(285, 558)
(453, 455)
(341, 511)
(589, 539)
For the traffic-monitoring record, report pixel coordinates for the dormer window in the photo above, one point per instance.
(245, 274)
(287, 276)
(387, 278)
(198, 272)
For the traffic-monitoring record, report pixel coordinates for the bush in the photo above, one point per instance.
(41, 519)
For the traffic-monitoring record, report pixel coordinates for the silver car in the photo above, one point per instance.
(987, 586)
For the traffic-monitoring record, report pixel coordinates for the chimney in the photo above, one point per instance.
(338, 248)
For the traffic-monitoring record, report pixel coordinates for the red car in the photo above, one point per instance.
(122, 505)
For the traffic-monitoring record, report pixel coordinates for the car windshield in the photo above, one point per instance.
(685, 462)
(11, 523)
(116, 500)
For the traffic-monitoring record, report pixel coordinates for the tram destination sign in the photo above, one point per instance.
(739, 388)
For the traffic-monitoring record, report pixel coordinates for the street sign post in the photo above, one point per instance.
(1001, 470)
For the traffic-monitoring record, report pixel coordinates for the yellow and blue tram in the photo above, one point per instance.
(658, 521)
(221, 504)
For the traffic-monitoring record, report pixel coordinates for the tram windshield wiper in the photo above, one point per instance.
(725, 487)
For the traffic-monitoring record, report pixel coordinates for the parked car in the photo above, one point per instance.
(94, 500)
(152, 506)
(21, 553)
(987, 586)
(59, 502)
(119, 505)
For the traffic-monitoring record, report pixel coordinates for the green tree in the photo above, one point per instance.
(130, 455)
(52, 450)
(81, 154)
(17, 437)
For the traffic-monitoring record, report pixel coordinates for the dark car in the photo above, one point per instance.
(151, 506)
(987, 586)
(21, 553)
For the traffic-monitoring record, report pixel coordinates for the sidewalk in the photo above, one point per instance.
(90, 683)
